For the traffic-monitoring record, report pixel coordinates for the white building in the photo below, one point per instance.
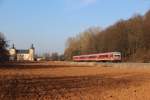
(22, 55)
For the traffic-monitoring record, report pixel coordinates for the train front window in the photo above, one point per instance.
(117, 56)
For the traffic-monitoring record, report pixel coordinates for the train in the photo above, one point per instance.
(99, 57)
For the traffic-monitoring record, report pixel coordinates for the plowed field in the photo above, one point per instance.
(74, 81)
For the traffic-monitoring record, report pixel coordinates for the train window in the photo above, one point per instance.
(106, 56)
(92, 56)
(82, 57)
(101, 56)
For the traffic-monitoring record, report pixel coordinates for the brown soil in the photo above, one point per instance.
(73, 81)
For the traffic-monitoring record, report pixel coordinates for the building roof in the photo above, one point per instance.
(22, 51)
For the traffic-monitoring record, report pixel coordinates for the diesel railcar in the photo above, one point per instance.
(105, 57)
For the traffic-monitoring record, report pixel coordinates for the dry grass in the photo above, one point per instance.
(74, 81)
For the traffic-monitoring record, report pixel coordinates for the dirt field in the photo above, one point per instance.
(75, 81)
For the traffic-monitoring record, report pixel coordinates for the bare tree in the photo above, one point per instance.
(54, 56)
(4, 55)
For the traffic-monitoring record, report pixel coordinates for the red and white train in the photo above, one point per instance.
(109, 56)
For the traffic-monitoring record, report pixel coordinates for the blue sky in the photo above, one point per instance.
(48, 23)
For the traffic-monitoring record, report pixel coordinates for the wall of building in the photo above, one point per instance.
(21, 57)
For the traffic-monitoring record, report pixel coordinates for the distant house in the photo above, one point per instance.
(22, 55)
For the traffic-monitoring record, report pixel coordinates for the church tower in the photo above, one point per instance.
(31, 53)
(12, 53)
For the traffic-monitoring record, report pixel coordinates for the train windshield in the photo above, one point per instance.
(117, 54)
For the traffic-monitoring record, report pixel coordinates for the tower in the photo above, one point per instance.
(31, 53)
(12, 52)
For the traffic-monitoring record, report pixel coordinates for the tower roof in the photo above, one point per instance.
(32, 46)
(13, 46)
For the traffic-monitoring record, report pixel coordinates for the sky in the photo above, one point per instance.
(49, 23)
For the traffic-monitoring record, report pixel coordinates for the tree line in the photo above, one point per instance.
(130, 37)
(54, 56)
